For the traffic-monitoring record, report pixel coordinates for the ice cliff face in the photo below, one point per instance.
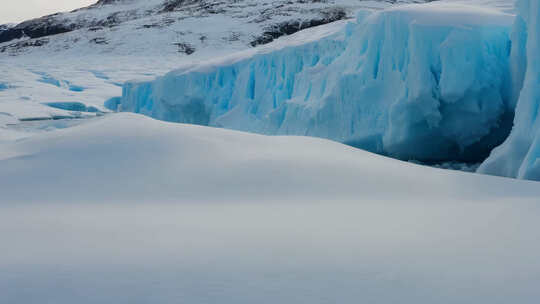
(519, 156)
(427, 82)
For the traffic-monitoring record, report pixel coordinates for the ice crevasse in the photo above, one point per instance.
(428, 82)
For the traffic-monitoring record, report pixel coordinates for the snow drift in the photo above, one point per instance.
(519, 156)
(427, 82)
(146, 160)
(126, 209)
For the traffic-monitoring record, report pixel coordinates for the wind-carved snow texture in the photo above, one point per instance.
(426, 82)
(519, 156)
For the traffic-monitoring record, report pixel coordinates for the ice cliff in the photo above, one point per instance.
(427, 82)
(519, 156)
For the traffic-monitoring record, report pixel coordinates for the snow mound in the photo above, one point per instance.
(126, 157)
(427, 82)
(173, 213)
(519, 156)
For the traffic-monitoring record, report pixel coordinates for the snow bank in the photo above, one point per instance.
(519, 156)
(126, 209)
(426, 82)
(131, 158)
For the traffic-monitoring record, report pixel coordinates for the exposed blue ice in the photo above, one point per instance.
(48, 79)
(100, 75)
(426, 82)
(519, 156)
(73, 106)
(75, 88)
(112, 103)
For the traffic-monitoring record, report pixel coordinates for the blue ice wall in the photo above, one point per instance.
(519, 156)
(422, 82)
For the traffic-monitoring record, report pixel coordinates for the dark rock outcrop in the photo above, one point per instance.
(37, 28)
(291, 27)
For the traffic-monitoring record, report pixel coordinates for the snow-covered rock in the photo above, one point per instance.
(427, 82)
(519, 156)
(152, 27)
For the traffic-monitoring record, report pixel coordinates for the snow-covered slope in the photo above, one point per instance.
(163, 27)
(519, 156)
(507, 6)
(125, 209)
(427, 82)
(127, 157)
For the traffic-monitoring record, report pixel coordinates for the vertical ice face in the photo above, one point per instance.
(519, 156)
(427, 82)
(439, 79)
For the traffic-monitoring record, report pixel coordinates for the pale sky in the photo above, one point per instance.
(20, 10)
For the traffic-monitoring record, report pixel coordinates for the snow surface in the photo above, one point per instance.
(31, 84)
(126, 209)
(428, 82)
(519, 156)
(502, 5)
(122, 208)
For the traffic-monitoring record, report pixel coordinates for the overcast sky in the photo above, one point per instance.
(19, 10)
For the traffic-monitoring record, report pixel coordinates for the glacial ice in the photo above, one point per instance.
(426, 82)
(73, 106)
(48, 79)
(519, 156)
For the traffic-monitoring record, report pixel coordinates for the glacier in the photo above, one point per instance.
(519, 156)
(427, 82)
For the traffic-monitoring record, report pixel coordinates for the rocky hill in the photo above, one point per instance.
(184, 26)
